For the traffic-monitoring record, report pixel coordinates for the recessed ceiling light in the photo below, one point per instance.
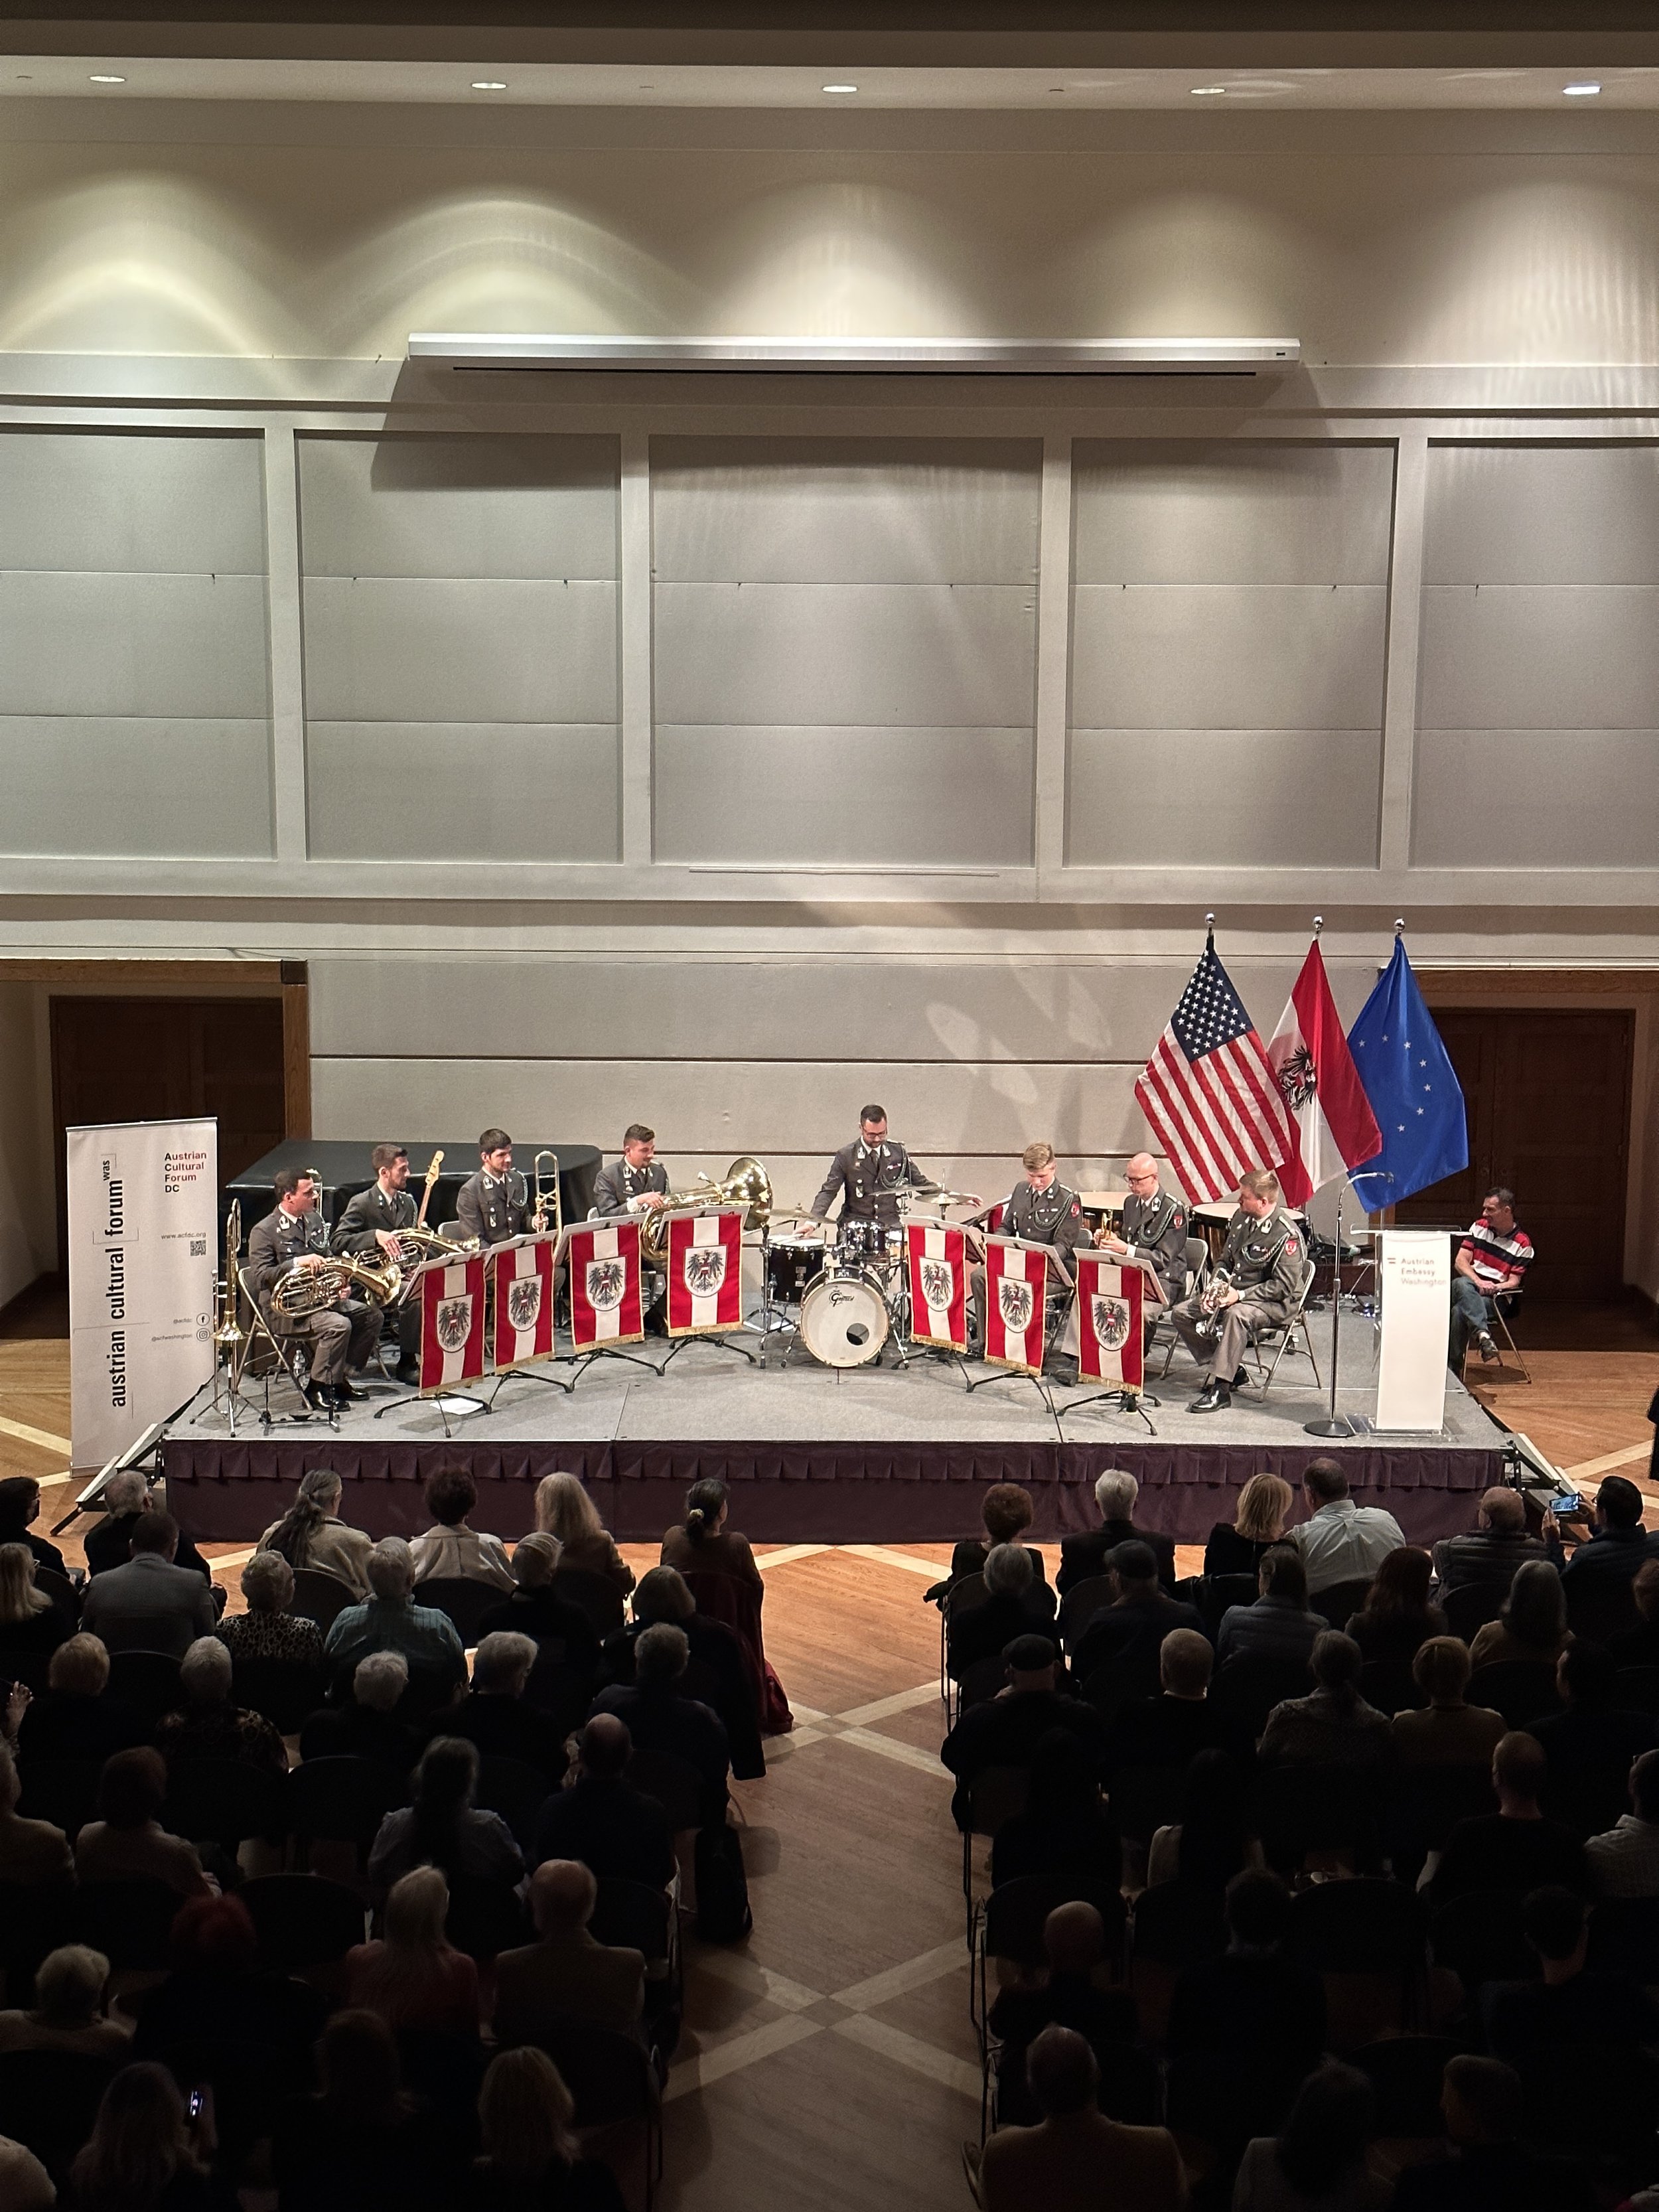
(1208, 91)
(838, 88)
(488, 84)
(106, 80)
(1580, 91)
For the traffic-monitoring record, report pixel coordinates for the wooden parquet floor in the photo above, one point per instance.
(828, 2064)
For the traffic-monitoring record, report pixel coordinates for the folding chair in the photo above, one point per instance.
(991, 1799)
(224, 1801)
(1339, 1601)
(1198, 1266)
(1522, 1690)
(516, 1790)
(1079, 1607)
(464, 1601)
(611, 2080)
(1503, 1310)
(1366, 1941)
(302, 1920)
(320, 1597)
(596, 1595)
(1175, 1925)
(1470, 1606)
(969, 1591)
(1281, 1337)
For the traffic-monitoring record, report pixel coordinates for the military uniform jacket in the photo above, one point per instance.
(617, 1187)
(1155, 1229)
(276, 1242)
(1053, 1216)
(487, 1210)
(1265, 1259)
(367, 1213)
(869, 1179)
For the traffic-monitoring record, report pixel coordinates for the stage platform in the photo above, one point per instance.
(877, 1455)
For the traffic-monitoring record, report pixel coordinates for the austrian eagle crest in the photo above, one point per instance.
(524, 1300)
(606, 1281)
(937, 1283)
(454, 1322)
(704, 1269)
(1016, 1302)
(1111, 1318)
(1299, 1078)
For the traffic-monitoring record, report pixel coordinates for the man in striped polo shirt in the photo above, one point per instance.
(1492, 1263)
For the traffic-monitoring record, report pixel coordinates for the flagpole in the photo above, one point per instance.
(1335, 1423)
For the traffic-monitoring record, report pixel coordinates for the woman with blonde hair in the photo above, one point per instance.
(412, 1976)
(532, 2161)
(564, 1509)
(145, 2155)
(29, 1621)
(1264, 1507)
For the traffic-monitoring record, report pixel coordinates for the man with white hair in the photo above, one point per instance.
(567, 1973)
(210, 1726)
(494, 1715)
(368, 1725)
(1082, 1557)
(389, 1621)
(109, 1541)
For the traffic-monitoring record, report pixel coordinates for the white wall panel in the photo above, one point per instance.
(168, 787)
(1180, 798)
(1580, 799)
(1540, 657)
(107, 501)
(129, 644)
(1505, 513)
(504, 791)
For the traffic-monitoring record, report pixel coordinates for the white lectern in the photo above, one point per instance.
(1416, 1304)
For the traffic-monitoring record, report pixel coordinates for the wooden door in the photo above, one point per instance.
(1548, 1093)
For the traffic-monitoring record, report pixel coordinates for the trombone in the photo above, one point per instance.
(538, 1208)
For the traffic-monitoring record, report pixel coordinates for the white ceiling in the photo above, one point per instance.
(539, 84)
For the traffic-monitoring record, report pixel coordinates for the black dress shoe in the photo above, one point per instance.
(343, 1393)
(320, 1395)
(1211, 1398)
(1240, 1379)
(409, 1370)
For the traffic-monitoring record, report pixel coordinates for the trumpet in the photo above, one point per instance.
(538, 1208)
(1210, 1301)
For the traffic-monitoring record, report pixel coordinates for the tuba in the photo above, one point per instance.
(301, 1291)
(746, 1183)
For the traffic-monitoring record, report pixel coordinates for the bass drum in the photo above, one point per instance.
(844, 1320)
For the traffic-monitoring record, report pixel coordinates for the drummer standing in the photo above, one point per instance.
(869, 1174)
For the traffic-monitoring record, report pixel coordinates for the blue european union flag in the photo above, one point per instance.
(1413, 1090)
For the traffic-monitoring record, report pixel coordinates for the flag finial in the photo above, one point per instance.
(1209, 929)
(1319, 923)
(1398, 925)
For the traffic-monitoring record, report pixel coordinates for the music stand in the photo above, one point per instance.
(1125, 1398)
(720, 1339)
(1055, 1265)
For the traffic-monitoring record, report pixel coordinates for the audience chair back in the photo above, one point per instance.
(562, 1691)
(673, 1782)
(515, 1790)
(1145, 1799)
(320, 1597)
(1216, 2100)
(1522, 1690)
(594, 1595)
(465, 1600)
(223, 1801)
(286, 1690)
(1367, 1942)
(981, 1682)
(1213, 1594)
(1470, 1606)
(61, 1590)
(49, 2101)
(145, 1677)
(63, 1791)
(129, 1922)
(1341, 1601)
(1079, 1607)
(610, 2075)
(339, 1801)
(1388, 1685)
(1174, 1926)
(302, 1921)
(632, 1915)
(1305, 1811)
(1480, 1939)
(990, 1800)
(1247, 1689)
(1599, 1609)
(1425, 1804)
(485, 1917)
(1406, 2073)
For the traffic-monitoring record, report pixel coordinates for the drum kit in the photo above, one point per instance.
(845, 1299)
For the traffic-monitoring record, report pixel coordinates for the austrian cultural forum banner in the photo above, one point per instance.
(142, 1256)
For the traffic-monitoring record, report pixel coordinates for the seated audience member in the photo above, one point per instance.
(1215, 1838)
(108, 1543)
(20, 1506)
(1075, 2157)
(600, 1818)
(146, 2154)
(1005, 1730)
(1447, 1731)
(311, 1535)
(1396, 1616)
(1082, 1557)
(564, 1509)
(31, 1851)
(1515, 1848)
(658, 1718)
(1017, 1604)
(1129, 1632)
(536, 1609)
(1624, 1861)
(662, 1593)
(1279, 1626)
(1570, 2007)
(1494, 1547)
(702, 1544)
(1334, 1726)
(412, 1976)
(362, 2144)
(368, 1726)
(1255, 1996)
(443, 1827)
(1591, 1746)
(25, 2184)
(74, 1719)
(173, 1605)
(1065, 1830)
(565, 1973)
(1317, 2161)
(1533, 1623)
(268, 1630)
(1639, 1646)
(389, 1620)
(1074, 1946)
(127, 1842)
(1489, 2170)
(1173, 1727)
(1490, 1267)
(532, 2158)
(31, 1624)
(1618, 1543)
(68, 2014)
(494, 1717)
(1004, 1515)
(1237, 1546)
(210, 1726)
(1341, 1541)
(449, 1547)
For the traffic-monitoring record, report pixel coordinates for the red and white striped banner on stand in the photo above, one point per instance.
(1109, 1310)
(603, 1258)
(1016, 1278)
(452, 1294)
(705, 1280)
(521, 1293)
(938, 1259)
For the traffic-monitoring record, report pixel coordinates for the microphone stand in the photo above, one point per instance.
(1335, 1423)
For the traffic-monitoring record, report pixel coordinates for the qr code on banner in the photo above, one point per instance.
(198, 1247)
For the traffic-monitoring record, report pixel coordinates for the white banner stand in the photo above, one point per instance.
(1416, 1320)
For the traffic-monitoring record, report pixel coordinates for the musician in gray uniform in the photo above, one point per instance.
(636, 1182)
(1043, 1210)
(368, 1226)
(340, 1335)
(493, 1204)
(1153, 1228)
(1264, 1257)
(869, 1174)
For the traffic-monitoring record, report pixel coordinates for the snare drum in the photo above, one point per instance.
(844, 1320)
(792, 1263)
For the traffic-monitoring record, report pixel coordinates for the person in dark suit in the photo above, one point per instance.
(1592, 1744)
(1082, 1557)
(658, 1718)
(176, 1605)
(19, 1505)
(601, 1820)
(494, 1715)
(109, 1541)
(1254, 1997)
(1019, 1604)
(1515, 1847)
(1619, 1544)
(1132, 1629)
(1170, 1729)
(1006, 1729)
(717, 1656)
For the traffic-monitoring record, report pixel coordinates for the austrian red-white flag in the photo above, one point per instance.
(521, 1296)
(603, 1260)
(705, 1271)
(936, 1256)
(1016, 1277)
(1108, 1308)
(1332, 1117)
(452, 1322)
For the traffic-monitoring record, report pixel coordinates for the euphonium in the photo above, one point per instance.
(746, 1183)
(305, 1290)
(1209, 1304)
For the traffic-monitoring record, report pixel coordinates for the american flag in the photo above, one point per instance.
(1208, 1090)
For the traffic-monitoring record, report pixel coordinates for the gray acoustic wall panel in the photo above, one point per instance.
(134, 685)
(1538, 693)
(1228, 628)
(461, 646)
(844, 650)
